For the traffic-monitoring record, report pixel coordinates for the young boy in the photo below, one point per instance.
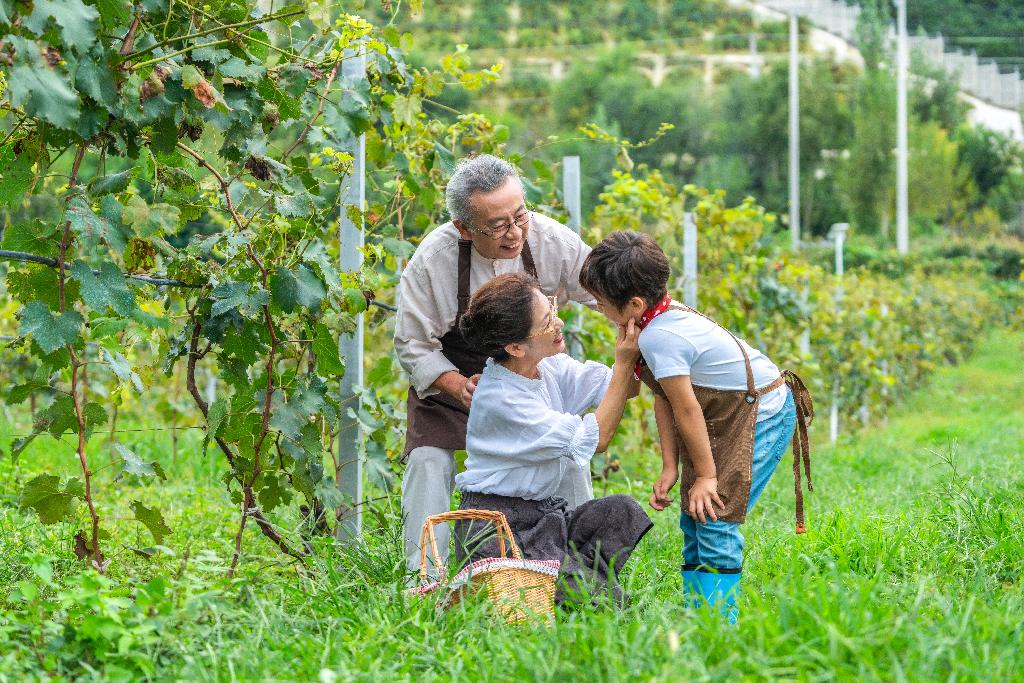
(724, 412)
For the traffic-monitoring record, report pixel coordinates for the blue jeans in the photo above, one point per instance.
(719, 545)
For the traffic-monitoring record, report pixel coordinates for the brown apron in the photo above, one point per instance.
(440, 420)
(731, 419)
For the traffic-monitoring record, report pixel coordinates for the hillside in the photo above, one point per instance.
(994, 28)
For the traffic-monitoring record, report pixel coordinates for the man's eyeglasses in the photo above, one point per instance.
(521, 221)
(549, 325)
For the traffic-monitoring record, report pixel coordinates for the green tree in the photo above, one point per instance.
(638, 18)
(935, 96)
(867, 174)
(489, 24)
(753, 124)
(939, 187)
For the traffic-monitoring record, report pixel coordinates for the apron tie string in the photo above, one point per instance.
(801, 441)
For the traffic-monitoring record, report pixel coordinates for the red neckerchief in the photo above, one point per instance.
(645, 320)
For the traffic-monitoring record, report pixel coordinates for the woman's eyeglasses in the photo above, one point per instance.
(521, 221)
(549, 325)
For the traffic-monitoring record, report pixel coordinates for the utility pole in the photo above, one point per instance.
(902, 207)
(794, 129)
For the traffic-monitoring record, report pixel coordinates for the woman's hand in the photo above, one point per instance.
(627, 349)
(703, 493)
(662, 487)
(466, 395)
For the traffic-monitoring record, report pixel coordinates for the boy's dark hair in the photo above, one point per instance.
(500, 313)
(626, 264)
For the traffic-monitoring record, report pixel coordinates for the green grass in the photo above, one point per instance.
(910, 571)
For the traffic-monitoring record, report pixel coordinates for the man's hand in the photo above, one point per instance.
(458, 386)
(662, 487)
(468, 388)
(703, 493)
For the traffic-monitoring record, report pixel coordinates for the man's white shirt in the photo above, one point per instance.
(428, 292)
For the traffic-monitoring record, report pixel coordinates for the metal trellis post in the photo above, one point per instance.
(350, 442)
(689, 260)
(794, 129)
(837, 233)
(573, 204)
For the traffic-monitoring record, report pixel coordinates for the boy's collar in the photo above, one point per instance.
(654, 311)
(645, 319)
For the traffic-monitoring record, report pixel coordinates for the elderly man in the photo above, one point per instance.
(492, 231)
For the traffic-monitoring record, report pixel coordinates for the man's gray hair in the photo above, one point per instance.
(484, 173)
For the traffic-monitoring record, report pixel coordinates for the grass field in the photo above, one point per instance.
(911, 570)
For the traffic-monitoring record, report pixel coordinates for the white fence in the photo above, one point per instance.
(977, 77)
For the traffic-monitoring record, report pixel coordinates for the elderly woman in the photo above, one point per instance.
(527, 426)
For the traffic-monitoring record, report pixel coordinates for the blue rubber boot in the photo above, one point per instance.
(721, 590)
(692, 595)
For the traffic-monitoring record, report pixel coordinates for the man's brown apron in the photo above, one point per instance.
(731, 419)
(440, 420)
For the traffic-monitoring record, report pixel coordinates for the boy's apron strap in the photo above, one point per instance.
(752, 393)
(801, 441)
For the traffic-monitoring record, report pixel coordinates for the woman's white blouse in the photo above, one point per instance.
(523, 433)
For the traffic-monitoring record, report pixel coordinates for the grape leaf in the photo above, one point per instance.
(35, 237)
(289, 418)
(38, 89)
(131, 463)
(52, 502)
(49, 331)
(15, 176)
(272, 490)
(151, 220)
(243, 71)
(218, 412)
(19, 393)
(232, 295)
(116, 182)
(104, 288)
(328, 494)
(77, 21)
(123, 369)
(40, 283)
(114, 12)
(325, 346)
(94, 415)
(300, 287)
(294, 205)
(95, 79)
(152, 520)
(58, 417)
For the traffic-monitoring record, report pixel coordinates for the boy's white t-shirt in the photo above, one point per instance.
(681, 343)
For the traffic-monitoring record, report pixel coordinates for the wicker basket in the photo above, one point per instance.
(519, 589)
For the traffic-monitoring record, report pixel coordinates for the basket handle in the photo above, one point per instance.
(494, 516)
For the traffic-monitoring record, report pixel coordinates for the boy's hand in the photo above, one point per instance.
(703, 493)
(627, 349)
(659, 499)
